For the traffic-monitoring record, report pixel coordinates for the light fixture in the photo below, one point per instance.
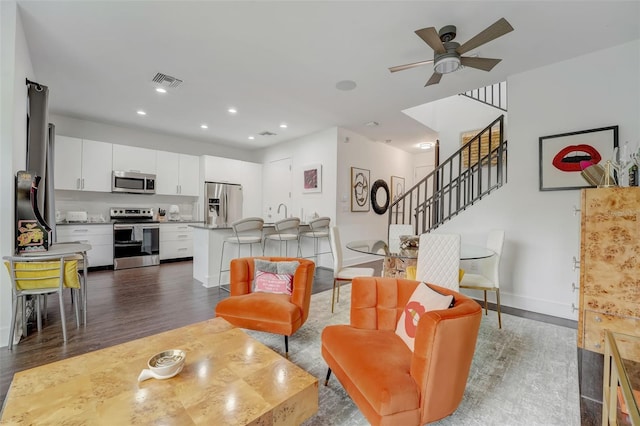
(252, 137)
(426, 145)
(161, 90)
(283, 125)
(346, 85)
(232, 110)
(204, 126)
(447, 64)
(141, 112)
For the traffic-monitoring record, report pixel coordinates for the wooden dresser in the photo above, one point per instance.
(609, 281)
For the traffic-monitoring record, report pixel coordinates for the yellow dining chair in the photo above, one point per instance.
(40, 276)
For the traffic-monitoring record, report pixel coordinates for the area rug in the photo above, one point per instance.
(523, 374)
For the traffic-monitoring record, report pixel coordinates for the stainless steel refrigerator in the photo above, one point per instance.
(223, 203)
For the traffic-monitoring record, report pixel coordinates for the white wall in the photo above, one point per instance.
(542, 233)
(15, 66)
(383, 161)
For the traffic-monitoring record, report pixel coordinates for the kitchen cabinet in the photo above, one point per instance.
(178, 174)
(134, 159)
(99, 236)
(82, 164)
(176, 241)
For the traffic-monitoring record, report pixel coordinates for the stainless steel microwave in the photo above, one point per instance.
(136, 183)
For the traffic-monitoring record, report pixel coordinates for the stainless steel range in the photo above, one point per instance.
(136, 238)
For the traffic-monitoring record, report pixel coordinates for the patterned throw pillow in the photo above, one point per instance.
(274, 277)
(422, 300)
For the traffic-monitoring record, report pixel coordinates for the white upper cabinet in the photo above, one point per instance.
(178, 174)
(82, 165)
(134, 159)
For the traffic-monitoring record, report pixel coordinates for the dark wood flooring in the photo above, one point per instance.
(122, 306)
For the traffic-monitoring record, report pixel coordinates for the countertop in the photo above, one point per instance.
(202, 225)
(110, 222)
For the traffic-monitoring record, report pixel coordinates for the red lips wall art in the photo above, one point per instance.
(570, 157)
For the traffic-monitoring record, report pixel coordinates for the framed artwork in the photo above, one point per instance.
(483, 146)
(561, 156)
(360, 201)
(397, 188)
(312, 178)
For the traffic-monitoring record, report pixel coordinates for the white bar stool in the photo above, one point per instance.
(286, 230)
(319, 229)
(245, 231)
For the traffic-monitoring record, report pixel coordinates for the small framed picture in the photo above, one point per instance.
(312, 178)
(397, 187)
(564, 156)
(360, 201)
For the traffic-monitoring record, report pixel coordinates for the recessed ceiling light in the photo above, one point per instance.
(232, 110)
(204, 126)
(252, 137)
(161, 90)
(283, 125)
(346, 85)
(141, 112)
(426, 145)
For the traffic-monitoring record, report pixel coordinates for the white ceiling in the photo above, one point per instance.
(280, 61)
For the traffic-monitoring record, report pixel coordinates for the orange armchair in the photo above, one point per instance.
(390, 384)
(274, 313)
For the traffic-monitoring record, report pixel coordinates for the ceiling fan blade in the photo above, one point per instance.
(493, 31)
(431, 37)
(435, 79)
(407, 66)
(485, 64)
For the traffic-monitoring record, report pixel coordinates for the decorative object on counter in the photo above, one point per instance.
(621, 161)
(592, 173)
(633, 175)
(312, 178)
(607, 180)
(377, 185)
(359, 190)
(32, 232)
(164, 365)
(174, 212)
(561, 156)
(162, 215)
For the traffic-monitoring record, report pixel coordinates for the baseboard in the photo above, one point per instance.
(550, 319)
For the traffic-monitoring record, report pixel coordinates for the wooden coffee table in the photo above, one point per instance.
(228, 378)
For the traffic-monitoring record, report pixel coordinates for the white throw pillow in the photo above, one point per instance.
(423, 299)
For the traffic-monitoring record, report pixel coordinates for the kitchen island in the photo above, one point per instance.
(207, 251)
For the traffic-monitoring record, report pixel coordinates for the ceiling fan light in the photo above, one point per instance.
(447, 64)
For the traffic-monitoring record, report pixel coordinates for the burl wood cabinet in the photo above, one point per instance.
(609, 265)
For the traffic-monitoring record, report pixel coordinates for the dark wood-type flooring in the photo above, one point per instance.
(122, 306)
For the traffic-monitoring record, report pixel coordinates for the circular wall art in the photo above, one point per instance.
(379, 184)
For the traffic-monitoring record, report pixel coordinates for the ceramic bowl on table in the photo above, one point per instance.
(164, 365)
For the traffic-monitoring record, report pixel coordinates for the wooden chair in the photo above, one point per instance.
(273, 313)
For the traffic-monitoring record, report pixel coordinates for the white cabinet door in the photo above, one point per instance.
(134, 159)
(100, 237)
(176, 241)
(189, 175)
(168, 176)
(67, 163)
(96, 166)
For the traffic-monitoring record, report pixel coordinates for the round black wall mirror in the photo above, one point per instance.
(377, 185)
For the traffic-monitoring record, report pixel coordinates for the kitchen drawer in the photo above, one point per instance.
(89, 238)
(176, 232)
(83, 230)
(176, 249)
(596, 323)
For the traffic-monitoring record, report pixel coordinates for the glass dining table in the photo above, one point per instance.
(395, 264)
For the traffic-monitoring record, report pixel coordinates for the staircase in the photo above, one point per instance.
(494, 95)
(476, 169)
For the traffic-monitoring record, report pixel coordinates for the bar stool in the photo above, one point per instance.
(319, 229)
(286, 230)
(245, 231)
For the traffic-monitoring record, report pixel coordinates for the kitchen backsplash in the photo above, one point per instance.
(97, 204)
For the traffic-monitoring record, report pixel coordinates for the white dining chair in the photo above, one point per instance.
(395, 232)
(487, 277)
(439, 260)
(341, 274)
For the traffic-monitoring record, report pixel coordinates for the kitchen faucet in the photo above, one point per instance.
(285, 209)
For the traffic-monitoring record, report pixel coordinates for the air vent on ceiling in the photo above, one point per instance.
(166, 80)
(267, 133)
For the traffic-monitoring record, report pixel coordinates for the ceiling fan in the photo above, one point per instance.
(447, 53)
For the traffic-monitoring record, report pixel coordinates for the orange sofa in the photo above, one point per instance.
(273, 313)
(390, 384)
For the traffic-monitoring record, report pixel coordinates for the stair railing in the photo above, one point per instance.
(476, 169)
(494, 95)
